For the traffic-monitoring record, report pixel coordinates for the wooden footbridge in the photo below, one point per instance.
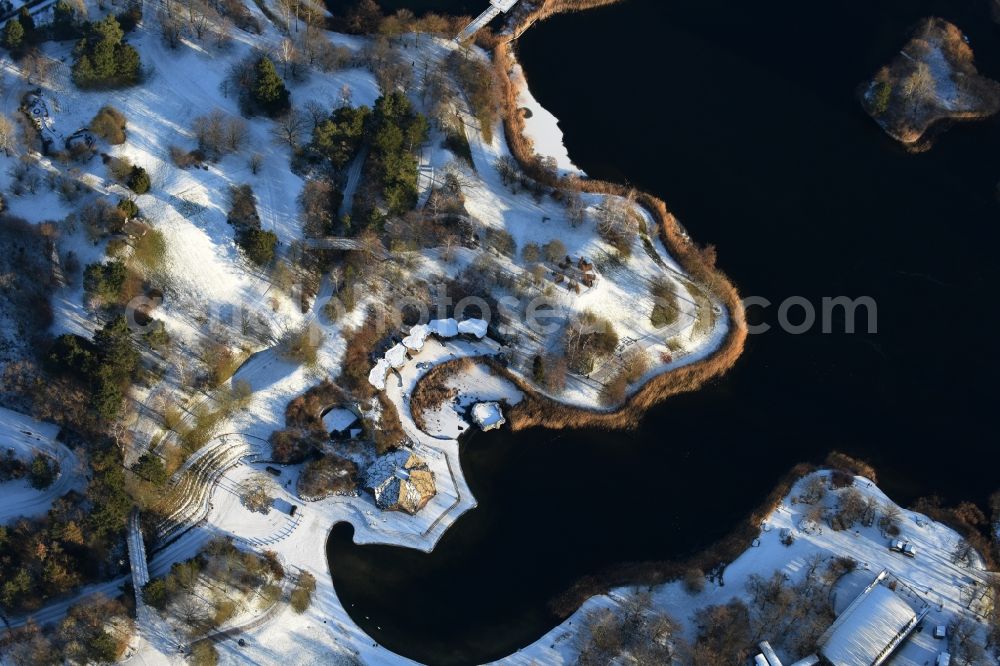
(496, 8)
(347, 244)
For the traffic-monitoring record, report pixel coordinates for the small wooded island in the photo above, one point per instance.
(933, 79)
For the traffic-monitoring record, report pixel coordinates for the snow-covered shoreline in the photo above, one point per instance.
(542, 127)
(932, 575)
(209, 277)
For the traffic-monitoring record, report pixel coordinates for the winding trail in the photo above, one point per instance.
(27, 438)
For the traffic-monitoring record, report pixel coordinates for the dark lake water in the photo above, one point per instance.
(742, 117)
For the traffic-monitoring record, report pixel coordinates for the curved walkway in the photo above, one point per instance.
(28, 437)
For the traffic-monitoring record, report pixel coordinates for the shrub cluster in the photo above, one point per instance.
(589, 338)
(109, 124)
(665, 307)
(301, 596)
(256, 243)
(328, 475)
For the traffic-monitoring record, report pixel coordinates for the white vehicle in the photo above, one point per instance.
(940, 631)
(904, 547)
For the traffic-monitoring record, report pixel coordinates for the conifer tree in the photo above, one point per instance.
(269, 90)
(138, 180)
(13, 36)
(103, 59)
(63, 19)
(27, 22)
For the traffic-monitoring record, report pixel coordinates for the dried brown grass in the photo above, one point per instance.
(432, 391)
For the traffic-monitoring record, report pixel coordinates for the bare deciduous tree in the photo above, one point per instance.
(8, 136)
(288, 128)
(576, 209)
(814, 490)
(256, 162)
(236, 134)
(919, 84)
(200, 17)
(507, 167)
(223, 31)
(170, 27)
(346, 96)
(616, 216)
(316, 113)
(288, 56)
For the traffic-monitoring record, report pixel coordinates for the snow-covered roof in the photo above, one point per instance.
(476, 327)
(869, 629)
(488, 415)
(396, 357)
(377, 375)
(418, 335)
(338, 419)
(400, 481)
(444, 328)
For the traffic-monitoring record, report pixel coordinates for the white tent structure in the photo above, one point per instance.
(396, 357)
(377, 375)
(417, 337)
(870, 629)
(444, 328)
(474, 327)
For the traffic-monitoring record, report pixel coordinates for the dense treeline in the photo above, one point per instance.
(365, 17)
(338, 138)
(21, 36)
(394, 131)
(72, 544)
(107, 364)
(397, 131)
(95, 631)
(28, 281)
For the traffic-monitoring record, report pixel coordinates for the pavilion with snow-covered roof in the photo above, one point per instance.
(870, 628)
